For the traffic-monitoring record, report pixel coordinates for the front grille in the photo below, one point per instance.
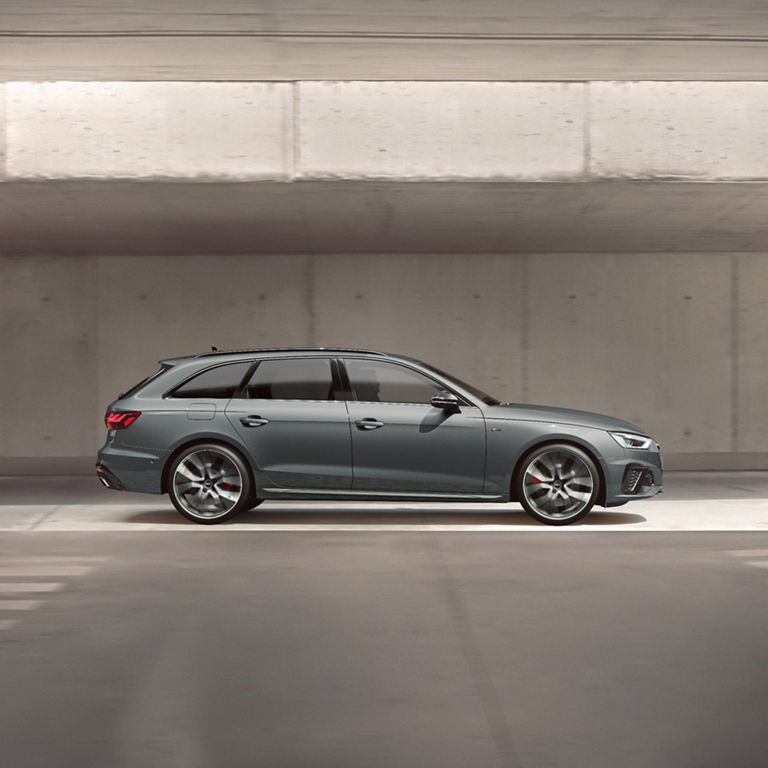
(637, 480)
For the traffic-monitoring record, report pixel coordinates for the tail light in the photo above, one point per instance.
(120, 419)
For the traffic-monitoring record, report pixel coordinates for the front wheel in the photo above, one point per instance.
(557, 484)
(209, 484)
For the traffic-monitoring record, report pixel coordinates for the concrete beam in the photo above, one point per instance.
(489, 131)
(138, 130)
(406, 130)
(693, 131)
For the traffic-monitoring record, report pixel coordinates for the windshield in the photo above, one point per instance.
(478, 393)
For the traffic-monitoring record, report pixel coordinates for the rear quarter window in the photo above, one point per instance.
(143, 383)
(216, 383)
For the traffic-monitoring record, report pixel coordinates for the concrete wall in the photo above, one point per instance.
(670, 340)
(673, 342)
(706, 131)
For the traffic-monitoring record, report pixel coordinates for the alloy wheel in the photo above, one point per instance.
(559, 485)
(208, 484)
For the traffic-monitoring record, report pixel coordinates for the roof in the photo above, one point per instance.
(225, 352)
(217, 352)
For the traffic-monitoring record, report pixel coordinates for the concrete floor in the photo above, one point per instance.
(383, 636)
(383, 649)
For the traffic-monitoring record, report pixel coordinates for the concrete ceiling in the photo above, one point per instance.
(402, 39)
(563, 17)
(377, 217)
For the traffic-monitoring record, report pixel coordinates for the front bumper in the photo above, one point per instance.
(637, 475)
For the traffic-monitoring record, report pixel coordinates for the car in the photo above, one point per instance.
(220, 432)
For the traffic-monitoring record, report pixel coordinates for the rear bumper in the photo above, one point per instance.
(127, 470)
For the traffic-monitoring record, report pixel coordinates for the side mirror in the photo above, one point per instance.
(447, 401)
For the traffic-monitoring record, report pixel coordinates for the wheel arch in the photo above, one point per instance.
(201, 440)
(600, 500)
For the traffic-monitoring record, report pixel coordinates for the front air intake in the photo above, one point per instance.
(637, 480)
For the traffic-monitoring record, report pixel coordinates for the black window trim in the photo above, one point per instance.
(344, 390)
(240, 392)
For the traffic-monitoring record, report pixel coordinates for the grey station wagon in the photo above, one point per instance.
(222, 431)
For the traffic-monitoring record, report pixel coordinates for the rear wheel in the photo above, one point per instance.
(209, 484)
(558, 484)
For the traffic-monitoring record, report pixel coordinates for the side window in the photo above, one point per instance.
(292, 379)
(136, 387)
(218, 383)
(377, 382)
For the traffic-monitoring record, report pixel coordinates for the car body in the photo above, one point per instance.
(222, 431)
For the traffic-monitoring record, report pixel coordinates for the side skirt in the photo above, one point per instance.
(342, 494)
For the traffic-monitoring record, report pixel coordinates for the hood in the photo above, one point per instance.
(560, 416)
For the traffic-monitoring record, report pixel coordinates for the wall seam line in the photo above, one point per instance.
(734, 353)
(587, 117)
(3, 132)
(311, 276)
(525, 327)
(295, 132)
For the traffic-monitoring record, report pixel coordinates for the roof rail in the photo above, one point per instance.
(288, 349)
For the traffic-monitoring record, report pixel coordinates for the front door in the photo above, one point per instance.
(401, 443)
(297, 434)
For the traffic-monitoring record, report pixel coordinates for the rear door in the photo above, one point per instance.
(294, 427)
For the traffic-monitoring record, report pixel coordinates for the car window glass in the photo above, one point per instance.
(297, 379)
(376, 382)
(136, 387)
(217, 383)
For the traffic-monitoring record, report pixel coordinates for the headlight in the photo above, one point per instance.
(628, 440)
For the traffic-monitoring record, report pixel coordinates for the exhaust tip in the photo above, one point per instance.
(107, 479)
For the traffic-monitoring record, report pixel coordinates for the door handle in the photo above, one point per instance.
(369, 423)
(253, 421)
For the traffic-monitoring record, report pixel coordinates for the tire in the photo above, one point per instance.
(557, 484)
(209, 483)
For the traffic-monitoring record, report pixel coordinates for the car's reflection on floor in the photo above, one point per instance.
(411, 517)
